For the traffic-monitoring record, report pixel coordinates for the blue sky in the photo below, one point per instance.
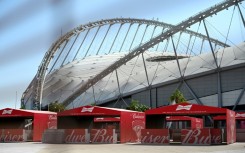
(28, 28)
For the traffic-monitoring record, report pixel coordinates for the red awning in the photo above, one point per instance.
(107, 119)
(93, 111)
(239, 116)
(179, 118)
(10, 112)
(186, 109)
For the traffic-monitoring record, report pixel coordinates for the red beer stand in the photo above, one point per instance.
(94, 124)
(17, 125)
(240, 125)
(157, 133)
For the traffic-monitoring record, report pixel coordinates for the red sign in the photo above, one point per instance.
(12, 135)
(240, 115)
(216, 136)
(186, 109)
(92, 110)
(182, 107)
(196, 136)
(137, 126)
(7, 111)
(87, 109)
(52, 121)
(196, 123)
(76, 136)
(230, 127)
(154, 136)
(103, 136)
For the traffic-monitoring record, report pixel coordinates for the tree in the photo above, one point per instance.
(22, 106)
(177, 97)
(56, 107)
(136, 106)
(93, 104)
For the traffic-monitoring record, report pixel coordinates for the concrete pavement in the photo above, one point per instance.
(34, 147)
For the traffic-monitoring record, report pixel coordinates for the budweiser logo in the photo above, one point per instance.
(180, 107)
(196, 136)
(12, 135)
(87, 109)
(135, 116)
(137, 126)
(52, 125)
(52, 117)
(12, 138)
(216, 139)
(240, 115)
(155, 137)
(7, 111)
(216, 136)
(77, 136)
(103, 136)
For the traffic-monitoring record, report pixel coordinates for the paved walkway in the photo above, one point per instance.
(33, 147)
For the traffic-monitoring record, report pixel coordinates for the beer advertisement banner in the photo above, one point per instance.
(196, 136)
(77, 136)
(130, 126)
(196, 123)
(216, 136)
(240, 116)
(11, 135)
(230, 127)
(186, 109)
(103, 136)
(52, 121)
(154, 136)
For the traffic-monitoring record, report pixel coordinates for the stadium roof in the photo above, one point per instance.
(63, 82)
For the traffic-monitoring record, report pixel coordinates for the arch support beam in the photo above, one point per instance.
(193, 94)
(239, 98)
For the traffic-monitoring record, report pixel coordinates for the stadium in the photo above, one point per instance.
(110, 62)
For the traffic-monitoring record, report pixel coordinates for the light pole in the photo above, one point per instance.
(15, 99)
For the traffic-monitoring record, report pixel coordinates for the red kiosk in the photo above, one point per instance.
(17, 125)
(157, 133)
(93, 124)
(240, 125)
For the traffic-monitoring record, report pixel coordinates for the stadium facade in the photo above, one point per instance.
(110, 62)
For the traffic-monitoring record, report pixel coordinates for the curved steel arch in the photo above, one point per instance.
(49, 54)
(140, 49)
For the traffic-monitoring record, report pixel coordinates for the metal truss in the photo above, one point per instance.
(40, 76)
